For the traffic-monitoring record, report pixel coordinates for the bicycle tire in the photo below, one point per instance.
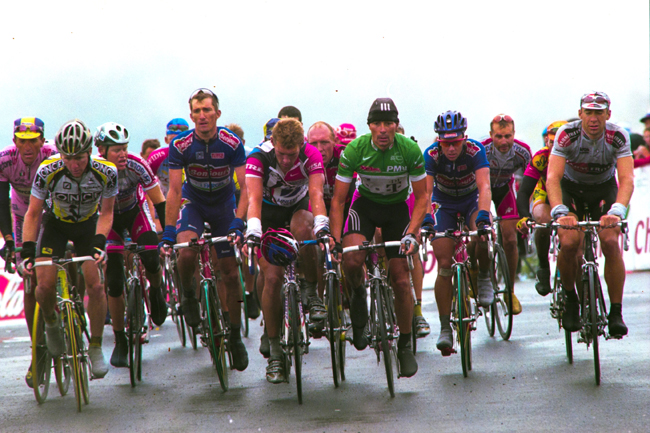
(334, 325)
(62, 375)
(174, 302)
(73, 354)
(464, 327)
(83, 359)
(134, 305)
(594, 319)
(490, 312)
(244, 303)
(503, 293)
(296, 333)
(414, 337)
(214, 333)
(383, 337)
(40, 379)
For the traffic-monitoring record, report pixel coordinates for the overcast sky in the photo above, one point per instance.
(137, 62)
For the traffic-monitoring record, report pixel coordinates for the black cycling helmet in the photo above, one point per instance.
(450, 124)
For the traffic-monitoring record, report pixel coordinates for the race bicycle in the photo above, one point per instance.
(501, 309)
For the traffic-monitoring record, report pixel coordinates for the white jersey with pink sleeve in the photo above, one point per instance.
(132, 183)
(21, 176)
(284, 189)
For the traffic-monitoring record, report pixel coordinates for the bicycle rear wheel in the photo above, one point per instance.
(296, 337)
(215, 332)
(464, 325)
(334, 325)
(491, 311)
(135, 314)
(594, 319)
(384, 344)
(41, 358)
(502, 292)
(174, 302)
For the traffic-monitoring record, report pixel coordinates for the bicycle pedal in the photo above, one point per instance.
(448, 351)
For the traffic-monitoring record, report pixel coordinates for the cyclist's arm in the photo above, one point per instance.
(242, 206)
(336, 208)
(429, 186)
(625, 170)
(484, 190)
(5, 212)
(174, 196)
(553, 177)
(421, 206)
(254, 186)
(526, 188)
(31, 223)
(105, 220)
(316, 183)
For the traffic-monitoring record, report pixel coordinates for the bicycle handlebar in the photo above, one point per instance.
(55, 261)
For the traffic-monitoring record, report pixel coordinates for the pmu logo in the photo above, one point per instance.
(395, 168)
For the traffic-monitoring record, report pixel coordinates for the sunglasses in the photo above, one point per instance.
(502, 117)
(595, 98)
(347, 133)
(23, 127)
(205, 91)
(177, 128)
(456, 142)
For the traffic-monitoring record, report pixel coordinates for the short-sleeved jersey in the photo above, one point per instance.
(331, 170)
(132, 183)
(590, 161)
(21, 176)
(453, 179)
(503, 166)
(159, 162)
(538, 167)
(385, 176)
(284, 189)
(208, 166)
(74, 200)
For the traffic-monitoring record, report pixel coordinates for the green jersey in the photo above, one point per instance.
(385, 176)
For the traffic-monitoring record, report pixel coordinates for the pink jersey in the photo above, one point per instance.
(132, 182)
(159, 162)
(21, 176)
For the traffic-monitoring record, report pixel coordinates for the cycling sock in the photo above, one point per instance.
(616, 309)
(403, 340)
(95, 342)
(417, 310)
(276, 349)
(444, 322)
(235, 334)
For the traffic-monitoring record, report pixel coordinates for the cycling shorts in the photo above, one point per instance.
(279, 217)
(505, 200)
(55, 235)
(366, 215)
(594, 199)
(219, 216)
(444, 211)
(136, 221)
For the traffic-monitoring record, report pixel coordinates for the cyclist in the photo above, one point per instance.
(209, 155)
(458, 178)
(345, 133)
(18, 165)
(130, 215)
(506, 155)
(148, 146)
(532, 199)
(75, 185)
(386, 163)
(581, 178)
(283, 177)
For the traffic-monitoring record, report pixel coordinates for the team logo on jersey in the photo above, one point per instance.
(433, 153)
(471, 148)
(199, 155)
(540, 162)
(397, 158)
(183, 143)
(395, 168)
(46, 251)
(201, 172)
(371, 169)
(67, 185)
(314, 166)
(567, 136)
(217, 155)
(229, 138)
(615, 138)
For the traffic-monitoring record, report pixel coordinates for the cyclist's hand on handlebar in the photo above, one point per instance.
(237, 227)
(324, 235)
(410, 244)
(568, 220)
(28, 253)
(168, 240)
(252, 242)
(7, 253)
(522, 226)
(98, 244)
(337, 252)
(609, 220)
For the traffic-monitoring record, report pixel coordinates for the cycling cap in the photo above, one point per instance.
(268, 128)
(346, 132)
(450, 125)
(177, 125)
(595, 101)
(28, 127)
(383, 109)
(110, 134)
(646, 117)
(279, 247)
(551, 129)
(73, 138)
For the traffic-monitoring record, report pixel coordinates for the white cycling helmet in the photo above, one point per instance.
(111, 133)
(73, 138)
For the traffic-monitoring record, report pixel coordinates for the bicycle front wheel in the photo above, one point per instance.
(594, 319)
(135, 314)
(502, 292)
(213, 329)
(334, 325)
(41, 358)
(174, 302)
(384, 344)
(295, 320)
(464, 325)
(74, 354)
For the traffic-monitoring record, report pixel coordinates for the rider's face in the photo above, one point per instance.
(503, 137)
(593, 121)
(321, 138)
(383, 133)
(452, 148)
(204, 116)
(76, 164)
(29, 148)
(117, 154)
(286, 157)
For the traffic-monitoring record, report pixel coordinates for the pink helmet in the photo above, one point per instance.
(279, 247)
(346, 133)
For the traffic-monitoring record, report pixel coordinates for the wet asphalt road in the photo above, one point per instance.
(524, 384)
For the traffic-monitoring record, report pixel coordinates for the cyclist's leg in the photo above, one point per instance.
(443, 249)
(190, 225)
(485, 289)
(541, 212)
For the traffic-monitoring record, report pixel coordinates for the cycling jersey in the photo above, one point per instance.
(159, 162)
(331, 170)
(21, 176)
(208, 166)
(590, 161)
(133, 182)
(74, 200)
(385, 175)
(457, 178)
(504, 165)
(284, 189)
